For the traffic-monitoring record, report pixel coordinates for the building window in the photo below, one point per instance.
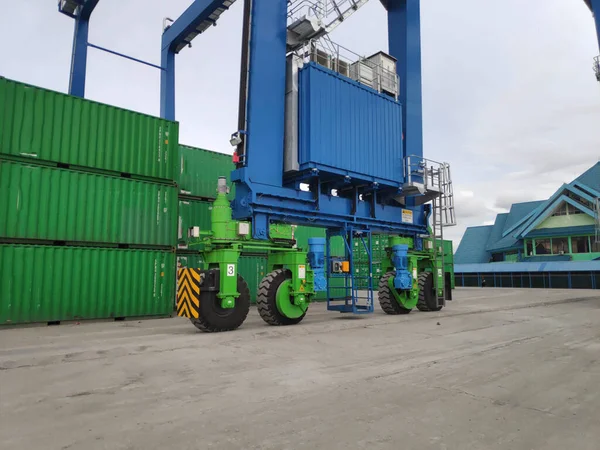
(561, 210)
(571, 210)
(580, 200)
(580, 244)
(542, 247)
(595, 245)
(529, 248)
(560, 246)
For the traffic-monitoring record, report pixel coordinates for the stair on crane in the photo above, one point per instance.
(320, 18)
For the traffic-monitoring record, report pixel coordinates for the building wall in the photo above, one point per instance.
(572, 220)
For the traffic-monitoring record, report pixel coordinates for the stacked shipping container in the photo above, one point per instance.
(88, 211)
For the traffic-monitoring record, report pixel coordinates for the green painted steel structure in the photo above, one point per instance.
(251, 268)
(47, 284)
(198, 169)
(46, 126)
(46, 203)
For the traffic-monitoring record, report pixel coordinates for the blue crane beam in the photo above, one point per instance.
(197, 18)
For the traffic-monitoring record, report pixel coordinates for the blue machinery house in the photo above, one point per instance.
(549, 243)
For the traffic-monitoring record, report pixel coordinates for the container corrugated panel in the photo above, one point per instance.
(192, 214)
(47, 284)
(348, 128)
(45, 203)
(189, 260)
(44, 125)
(199, 171)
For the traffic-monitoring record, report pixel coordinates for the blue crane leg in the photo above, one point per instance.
(266, 93)
(79, 58)
(80, 47)
(596, 9)
(404, 36)
(167, 84)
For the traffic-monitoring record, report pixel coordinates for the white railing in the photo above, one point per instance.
(324, 16)
(378, 71)
(434, 179)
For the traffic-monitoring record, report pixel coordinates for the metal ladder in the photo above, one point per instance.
(329, 14)
(431, 181)
(437, 237)
(443, 215)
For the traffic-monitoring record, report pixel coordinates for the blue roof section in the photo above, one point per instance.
(563, 231)
(496, 242)
(472, 246)
(519, 212)
(591, 178)
(496, 233)
(570, 266)
(506, 243)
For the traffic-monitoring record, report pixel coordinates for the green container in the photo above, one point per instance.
(47, 284)
(253, 269)
(45, 203)
(43, 125)
(449, 260)
(189, 260)
(199, 171)
(192, 213)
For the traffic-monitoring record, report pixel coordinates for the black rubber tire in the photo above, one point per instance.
(427, 294)
(387, 300)
(214, 319)
(266, 300)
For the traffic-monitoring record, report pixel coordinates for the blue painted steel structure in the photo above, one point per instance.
(349, 129)
(177, 36)
(81, 11)
(261, 193)
(594, 6)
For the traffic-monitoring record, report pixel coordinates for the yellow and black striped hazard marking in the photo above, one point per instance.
(188, 293)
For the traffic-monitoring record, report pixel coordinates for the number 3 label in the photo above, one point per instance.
(230, 270)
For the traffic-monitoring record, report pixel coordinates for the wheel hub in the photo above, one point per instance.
(286, 304)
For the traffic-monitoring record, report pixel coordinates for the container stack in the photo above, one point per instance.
(88, 212)
(197, 177)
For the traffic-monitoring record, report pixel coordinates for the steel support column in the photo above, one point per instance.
(167, 84)
(79, 58)
(266, 89)
(80, 45)
(596, 11)
(404, 35)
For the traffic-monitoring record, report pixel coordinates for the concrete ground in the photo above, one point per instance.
(497, 369)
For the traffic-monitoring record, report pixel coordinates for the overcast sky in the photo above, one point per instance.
(509, 95)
